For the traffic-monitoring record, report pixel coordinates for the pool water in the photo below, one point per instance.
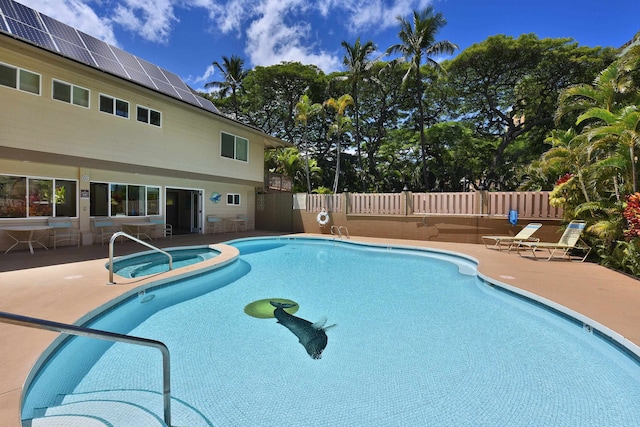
(153, 262)
(416, 343)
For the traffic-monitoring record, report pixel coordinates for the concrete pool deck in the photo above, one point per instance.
(66, 284)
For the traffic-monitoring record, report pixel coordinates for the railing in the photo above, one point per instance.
(327, 202)
(31, 322)
(445, 203)
(123, 234)
(531, 205)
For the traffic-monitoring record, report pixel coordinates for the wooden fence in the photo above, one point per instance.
(531, 204)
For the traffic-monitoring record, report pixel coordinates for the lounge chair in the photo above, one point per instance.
(569, 241)
(512, 241)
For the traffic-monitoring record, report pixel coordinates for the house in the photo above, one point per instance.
(89, 130)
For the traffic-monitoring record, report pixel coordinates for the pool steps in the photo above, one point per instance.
(115, 408)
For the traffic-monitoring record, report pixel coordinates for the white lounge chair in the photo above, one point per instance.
(569, 241)
(498, 242)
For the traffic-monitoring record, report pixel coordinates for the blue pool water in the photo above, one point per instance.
(416, 343)
(153, 262)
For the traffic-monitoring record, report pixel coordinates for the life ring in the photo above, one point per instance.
(323, 217)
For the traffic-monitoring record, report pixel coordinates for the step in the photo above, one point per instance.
(66, 421)
(182, 414)
(115, 413)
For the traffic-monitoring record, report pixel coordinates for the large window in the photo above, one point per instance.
(123, 200)
(66, 92)
(149, 116)
(18, 78)
(24, 197)
(234, 147)
(115, 106)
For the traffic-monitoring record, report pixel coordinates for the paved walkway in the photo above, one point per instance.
(66, 284)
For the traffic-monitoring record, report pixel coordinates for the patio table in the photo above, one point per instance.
(139, 229)
(28, 234)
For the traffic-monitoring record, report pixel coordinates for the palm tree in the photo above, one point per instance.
(358, 66)
(622, 127)
(340, 125)
(418, 43)
(304, 111)
(233, 71)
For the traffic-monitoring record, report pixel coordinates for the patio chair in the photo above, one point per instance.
(163, 229)
(104, 228)
(512, 241)
(62, 230)
(216, 223)
(569, 241)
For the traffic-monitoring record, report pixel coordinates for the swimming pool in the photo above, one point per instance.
(154, 262)
(416, 343)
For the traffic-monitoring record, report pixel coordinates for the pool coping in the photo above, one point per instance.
(72, 292)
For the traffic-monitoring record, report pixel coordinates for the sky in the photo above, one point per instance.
(187, 36)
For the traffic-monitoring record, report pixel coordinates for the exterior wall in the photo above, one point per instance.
(46, 138)
(440, 228)
(189, 139)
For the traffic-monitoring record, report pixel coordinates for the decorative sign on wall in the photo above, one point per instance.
(215, 197)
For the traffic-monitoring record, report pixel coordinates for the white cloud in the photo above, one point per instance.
(379, 14)
(153, 20)
(200, 81)
(77, 14)
(273, 37)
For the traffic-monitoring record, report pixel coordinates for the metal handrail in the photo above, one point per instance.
(123, 234)
(32, 322)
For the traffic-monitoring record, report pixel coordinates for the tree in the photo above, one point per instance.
(509, 89)
(418, 43)
(358, 67)
(233, 71)
(272, 93)
(341, 124)
(304, 111)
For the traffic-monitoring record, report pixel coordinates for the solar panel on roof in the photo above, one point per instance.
(165, 87)
(24, 14)
(140, 77)
(111, 66)
(62, 31)
(73, 51)
(55, 36)
(34, 35)
(97, 46)
(152, 70)
(128, 60)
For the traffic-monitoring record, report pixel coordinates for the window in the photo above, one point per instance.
(72, 94)
(123, 200)
(114, 106)
(153, 201)
(233, 199)
(23, 197)
(149, 116)
(234, 147)
(17, 78)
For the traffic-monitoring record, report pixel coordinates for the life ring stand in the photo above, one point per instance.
(323, 218)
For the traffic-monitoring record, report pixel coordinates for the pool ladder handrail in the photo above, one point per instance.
(135, 239)
(32, 322)
(340, 231)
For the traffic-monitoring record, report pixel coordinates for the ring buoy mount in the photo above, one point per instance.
(323, 217)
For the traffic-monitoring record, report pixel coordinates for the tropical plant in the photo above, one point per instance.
(305, 109)
(340, 124)
(233, 72)
(358, 67)
(418, 42)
